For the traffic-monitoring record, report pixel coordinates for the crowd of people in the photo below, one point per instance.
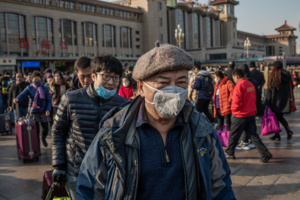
(117, 132)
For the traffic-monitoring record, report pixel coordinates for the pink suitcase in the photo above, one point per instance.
(27, 140)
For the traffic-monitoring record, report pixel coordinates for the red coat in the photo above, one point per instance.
(126, 92)
(244, 99)
(225, 96)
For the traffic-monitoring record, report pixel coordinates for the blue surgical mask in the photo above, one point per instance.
(105, 93)
(37, 83)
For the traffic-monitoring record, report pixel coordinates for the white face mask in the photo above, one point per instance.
(126, 84)
(168, 101)
(216, 80)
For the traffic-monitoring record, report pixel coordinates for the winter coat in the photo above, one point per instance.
(45, 105)
(126, 92)
(13, 94)
(243, 99)
(57, 91)
(228, 73)
(110, 169)
(76, 124)
(259, 77)
(192, 93)
(226, 88)
(199, 85)
(279, 100)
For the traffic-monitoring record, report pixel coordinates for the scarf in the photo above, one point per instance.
(39, 94)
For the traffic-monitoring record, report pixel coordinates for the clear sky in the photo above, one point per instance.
(263, 16)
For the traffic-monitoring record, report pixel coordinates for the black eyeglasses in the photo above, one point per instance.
(107, 77)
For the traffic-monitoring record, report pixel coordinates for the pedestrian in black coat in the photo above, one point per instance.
(14, 91)
(260, 79)
(228, 72)
(279, 96)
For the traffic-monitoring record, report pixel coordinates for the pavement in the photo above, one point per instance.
(251, 180)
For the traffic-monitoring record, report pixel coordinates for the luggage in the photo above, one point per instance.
(27, 138)
(269, 123)
(51, 191)
(5, 124)
(223, 135)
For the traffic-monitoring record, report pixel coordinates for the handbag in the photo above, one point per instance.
(223, 135)
(293, 106)
(269, 123)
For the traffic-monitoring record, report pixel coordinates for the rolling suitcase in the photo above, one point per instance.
(5, 124)
(27, 139)
(50, 191)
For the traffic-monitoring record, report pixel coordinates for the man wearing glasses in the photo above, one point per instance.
(78, 117)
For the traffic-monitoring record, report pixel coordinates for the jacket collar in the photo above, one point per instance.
(225, 79)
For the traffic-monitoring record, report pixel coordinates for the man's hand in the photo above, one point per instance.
(16, 101)
(47, 113)
(10, 109)
(59, 176)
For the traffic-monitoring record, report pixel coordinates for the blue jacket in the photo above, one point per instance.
(199, 85)
(110, 169)
(45, 104)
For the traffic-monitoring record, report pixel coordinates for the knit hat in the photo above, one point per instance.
(49, 76)
(160, 59)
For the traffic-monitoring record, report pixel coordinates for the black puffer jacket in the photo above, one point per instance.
(279, 100)
(76, 124)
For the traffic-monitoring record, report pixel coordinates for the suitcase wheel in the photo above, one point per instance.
(24, 161)
(36, 159)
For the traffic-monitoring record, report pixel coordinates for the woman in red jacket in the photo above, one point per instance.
(126, 89)
(222, 99)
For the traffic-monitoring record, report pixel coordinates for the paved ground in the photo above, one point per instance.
(277, 180)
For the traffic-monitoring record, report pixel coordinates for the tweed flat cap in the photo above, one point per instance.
(160, 59)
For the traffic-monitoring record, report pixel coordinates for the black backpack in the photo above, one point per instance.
(208, 86)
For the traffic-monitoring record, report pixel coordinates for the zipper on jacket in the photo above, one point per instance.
(167, 156)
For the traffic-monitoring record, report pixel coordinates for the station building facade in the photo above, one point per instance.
(56, 32)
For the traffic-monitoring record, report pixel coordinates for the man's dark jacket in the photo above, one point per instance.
(76, 124)
(279, 99)
(259, 77)
(14, 91)
(110, 169)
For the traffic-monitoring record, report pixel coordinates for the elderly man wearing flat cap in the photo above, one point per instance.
(157, 146)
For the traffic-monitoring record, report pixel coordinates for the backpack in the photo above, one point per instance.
(208, 86)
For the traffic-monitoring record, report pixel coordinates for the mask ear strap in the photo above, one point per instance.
(150, 87)
(149, 101)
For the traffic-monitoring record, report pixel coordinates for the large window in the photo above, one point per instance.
(2, 28)
(67, 30)
(196, 31)
(42, 29)
(209, 24)
(109, 36)
(42, 2)
(87, 8)
(125, 37)
(65, 4)
(89, 31)
(12, 25)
